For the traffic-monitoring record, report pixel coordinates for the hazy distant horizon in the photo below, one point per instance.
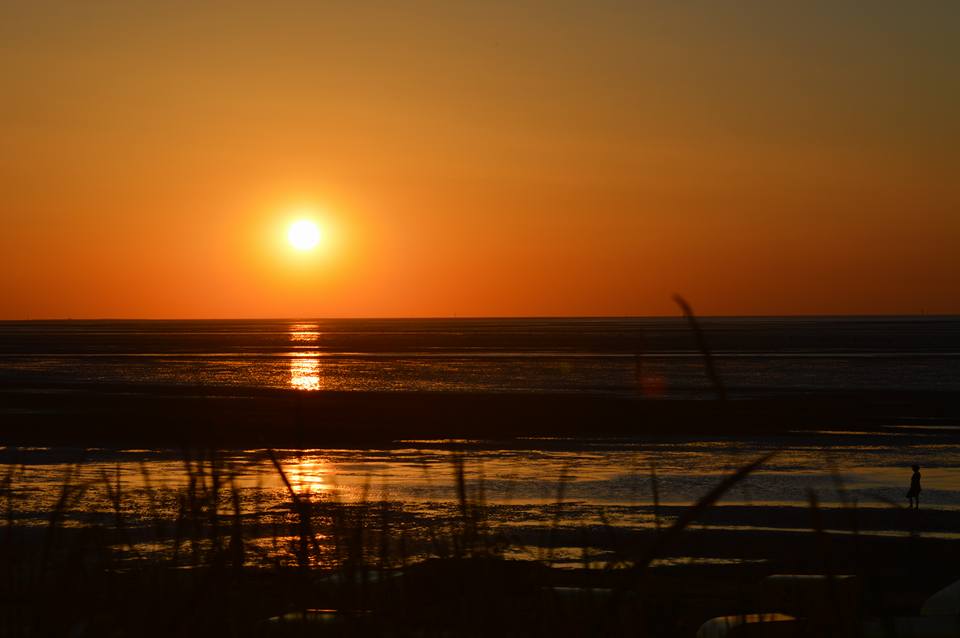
(878, 315)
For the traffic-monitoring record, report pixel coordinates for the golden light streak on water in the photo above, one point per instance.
(305, 373)
(309, 475)
(305, 370)
(304, 332)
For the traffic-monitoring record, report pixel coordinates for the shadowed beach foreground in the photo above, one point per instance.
(311, 566)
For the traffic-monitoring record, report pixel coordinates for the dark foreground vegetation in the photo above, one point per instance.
(219, 567)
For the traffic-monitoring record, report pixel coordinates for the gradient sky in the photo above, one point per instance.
(485, 158)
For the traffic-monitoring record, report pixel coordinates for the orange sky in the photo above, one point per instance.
(487, 158)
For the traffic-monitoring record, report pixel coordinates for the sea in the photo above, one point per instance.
(598, 479)
(653, 356)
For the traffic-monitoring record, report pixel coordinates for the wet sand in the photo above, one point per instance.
(225, 417)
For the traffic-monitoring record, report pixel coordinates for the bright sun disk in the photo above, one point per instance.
(303, 234)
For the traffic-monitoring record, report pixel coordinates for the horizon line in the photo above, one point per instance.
(490, 317)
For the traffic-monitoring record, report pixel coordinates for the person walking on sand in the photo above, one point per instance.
(914, 494)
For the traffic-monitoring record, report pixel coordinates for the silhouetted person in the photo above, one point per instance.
(914, 494)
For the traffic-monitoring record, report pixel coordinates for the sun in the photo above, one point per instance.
(304, 234)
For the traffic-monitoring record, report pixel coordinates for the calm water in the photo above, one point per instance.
(607, 479)
(654, 357)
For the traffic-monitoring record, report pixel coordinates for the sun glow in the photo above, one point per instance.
(304, 234)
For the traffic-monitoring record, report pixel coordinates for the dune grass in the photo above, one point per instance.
(210, 569)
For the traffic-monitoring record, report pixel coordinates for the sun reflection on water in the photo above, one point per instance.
(305, 369)
(308, 475)
(304, 332)
(305, 373)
